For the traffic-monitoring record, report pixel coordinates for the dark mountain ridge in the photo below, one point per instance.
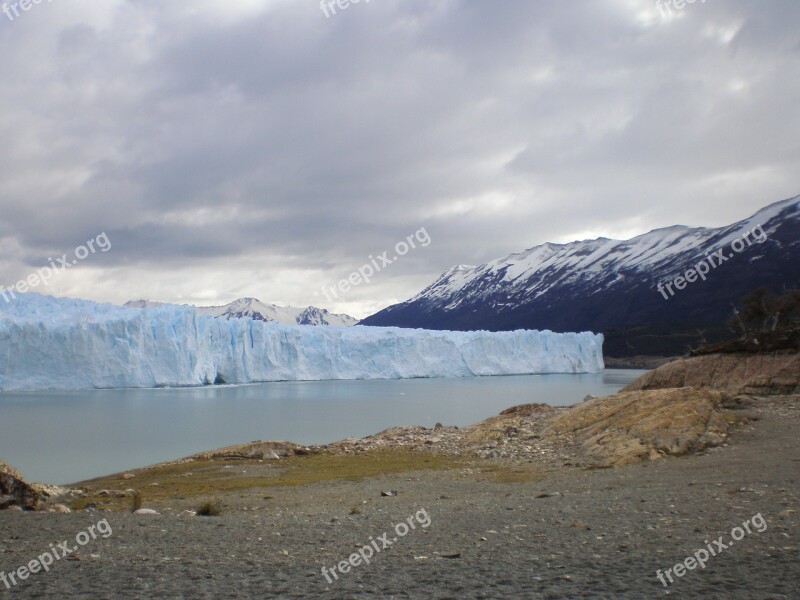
(612, 286)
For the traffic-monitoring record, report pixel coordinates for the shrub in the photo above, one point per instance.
(138, 500)
(764, 323)
(210, 508)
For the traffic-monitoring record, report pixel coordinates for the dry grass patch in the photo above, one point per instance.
(187, 480)
(498, 473)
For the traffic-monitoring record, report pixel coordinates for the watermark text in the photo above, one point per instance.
(44, 561)
(59, 265)
(665, 6)
(12, 10)
(329, 6)
(366, 552)
(377, 263)
(712, 261)
(701, 556)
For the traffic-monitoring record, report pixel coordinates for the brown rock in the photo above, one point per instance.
(24, 494)
(633, 426)
(9, 470)
(254, 450)
(756, 374)
(527, 409)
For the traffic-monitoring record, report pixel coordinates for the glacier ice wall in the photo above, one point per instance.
(60, 343)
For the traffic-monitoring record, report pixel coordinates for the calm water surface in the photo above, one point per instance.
(64, 437)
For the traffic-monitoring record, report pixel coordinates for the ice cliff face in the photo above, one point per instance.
(59, 343)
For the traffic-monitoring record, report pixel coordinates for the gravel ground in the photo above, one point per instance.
(596, 534)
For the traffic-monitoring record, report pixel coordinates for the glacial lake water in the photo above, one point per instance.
(63, 437)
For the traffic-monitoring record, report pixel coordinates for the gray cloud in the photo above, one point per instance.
(266, 150)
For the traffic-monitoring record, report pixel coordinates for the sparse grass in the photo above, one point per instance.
(596, 467)
(210, 477)
(509, 474)
(210, 508)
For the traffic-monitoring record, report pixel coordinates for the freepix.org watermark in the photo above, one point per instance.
(12, 10)
(701, 556)
(665, 6)
(712, 261)
(44, 561)
(366, 552)
(59, 265)
(329, 6)
(364, 273)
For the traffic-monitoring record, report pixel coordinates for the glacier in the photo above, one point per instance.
(49, 343)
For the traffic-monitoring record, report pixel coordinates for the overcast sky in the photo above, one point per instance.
(260, 148)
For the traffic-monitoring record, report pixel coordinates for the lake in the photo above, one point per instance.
(61, 437)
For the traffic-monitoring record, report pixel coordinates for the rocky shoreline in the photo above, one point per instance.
(536, 502)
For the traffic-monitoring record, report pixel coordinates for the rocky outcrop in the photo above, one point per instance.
(16, 492)
(267, 450)
(756, 374)
(625, 428)
(8, 469)
(637, 362)
(633, 426)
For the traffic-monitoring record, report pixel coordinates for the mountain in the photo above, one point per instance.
(612, 286)
(142, 304)
(250, 308)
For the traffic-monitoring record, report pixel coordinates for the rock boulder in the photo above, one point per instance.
(21, 494)
(632, 426)
(754, 374)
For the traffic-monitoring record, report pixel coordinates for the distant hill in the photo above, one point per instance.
(251, 308)
(611, 286)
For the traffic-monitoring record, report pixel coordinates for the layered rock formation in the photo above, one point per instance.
(16, 492)
(756, 374)
(633, 426)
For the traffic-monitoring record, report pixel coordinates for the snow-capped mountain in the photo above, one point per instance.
(612, 285)
(142, 304)
(287, 315)
(251, 308)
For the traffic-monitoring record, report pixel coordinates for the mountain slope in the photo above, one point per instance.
(611, 285)
(251, 308)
